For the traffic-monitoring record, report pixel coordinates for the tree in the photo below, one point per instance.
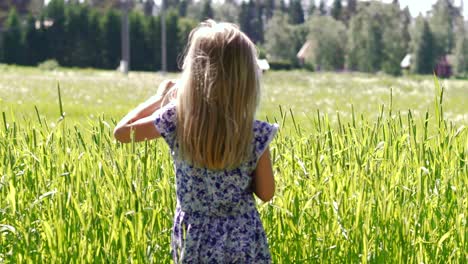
(336, 9)
(406, 22)
(12, 44)
(327, 40)
(56, 33)
(42, 46)
(422, 46)
(138, 48)
(245, 16)
(207, 11)
(269, 8)
(311, 9)
(441, 23)
(258, 23)
(296, 13)
(75, 51)
(376, 39)
(283, 7)
(250, 20)
(153, 42)
(94, 41)
(278, 36)
(322, 8)
(183, 5)
(352, 7)
(185, 26)
(31, 40)
(111, 45)
(394, 40)
(365, 40)
(461, 50)
(350, 11)
(35, 7)
(226, 11)
(148, 7)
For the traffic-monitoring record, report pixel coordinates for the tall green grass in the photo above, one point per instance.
(391, 189)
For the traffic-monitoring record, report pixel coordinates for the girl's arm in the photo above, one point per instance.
(140, 121)
(264, 183)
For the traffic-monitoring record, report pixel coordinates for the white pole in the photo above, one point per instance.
(163, 39)
(125, 62)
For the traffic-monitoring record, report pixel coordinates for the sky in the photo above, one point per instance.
(415, 6)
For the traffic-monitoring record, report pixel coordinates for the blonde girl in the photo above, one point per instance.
(220, 151)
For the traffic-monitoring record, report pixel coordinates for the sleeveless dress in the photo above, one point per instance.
(216, 220)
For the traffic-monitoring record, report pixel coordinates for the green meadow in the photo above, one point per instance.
(369, 169)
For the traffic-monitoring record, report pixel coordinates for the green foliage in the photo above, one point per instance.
(365, 39)
(173, 41)
(281, 65)
(75, 48)
(48, 65)
(461, 50)
(153, 43)
(251, 21)
(377, 39)
(94, 40)
(312, 8)
(182, 7)
(441, 24)
(422, 46)
(31, 38)
(56, 34)
(270, 7)
(185, 27)
(336, 11)
(207, 11)
(138, 43)
(226, 12)
(278, 36)
(322, 8)
(395, 41)
(88, 34)
(112, 44)
(12, 45)
(327, 38)
(296, 13)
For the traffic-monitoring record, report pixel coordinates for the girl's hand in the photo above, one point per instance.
(140, 119)
(165, 87)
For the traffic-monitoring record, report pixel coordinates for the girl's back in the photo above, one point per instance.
(216, 219)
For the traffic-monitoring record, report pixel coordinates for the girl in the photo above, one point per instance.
(220, 152)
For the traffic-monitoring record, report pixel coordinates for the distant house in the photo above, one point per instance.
(304, 52)
(406, 62)
(46, 23)
(443, 67)
(263, 64)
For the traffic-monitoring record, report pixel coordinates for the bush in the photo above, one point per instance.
(49, 65)
(281, 65)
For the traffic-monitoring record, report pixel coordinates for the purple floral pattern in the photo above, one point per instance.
(216, 220)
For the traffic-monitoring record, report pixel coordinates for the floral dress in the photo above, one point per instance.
(216, 220)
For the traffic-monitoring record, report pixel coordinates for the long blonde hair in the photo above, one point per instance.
(217, 96)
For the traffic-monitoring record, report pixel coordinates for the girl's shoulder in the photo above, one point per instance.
(264, 127)
(263, 134)
(165, 122)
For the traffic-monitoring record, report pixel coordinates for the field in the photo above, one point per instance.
(369, 169)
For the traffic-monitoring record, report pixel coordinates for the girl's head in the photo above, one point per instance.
(217, 96)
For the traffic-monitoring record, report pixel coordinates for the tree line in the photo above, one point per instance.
(77, 35)
(348, 35)
(369, 36)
